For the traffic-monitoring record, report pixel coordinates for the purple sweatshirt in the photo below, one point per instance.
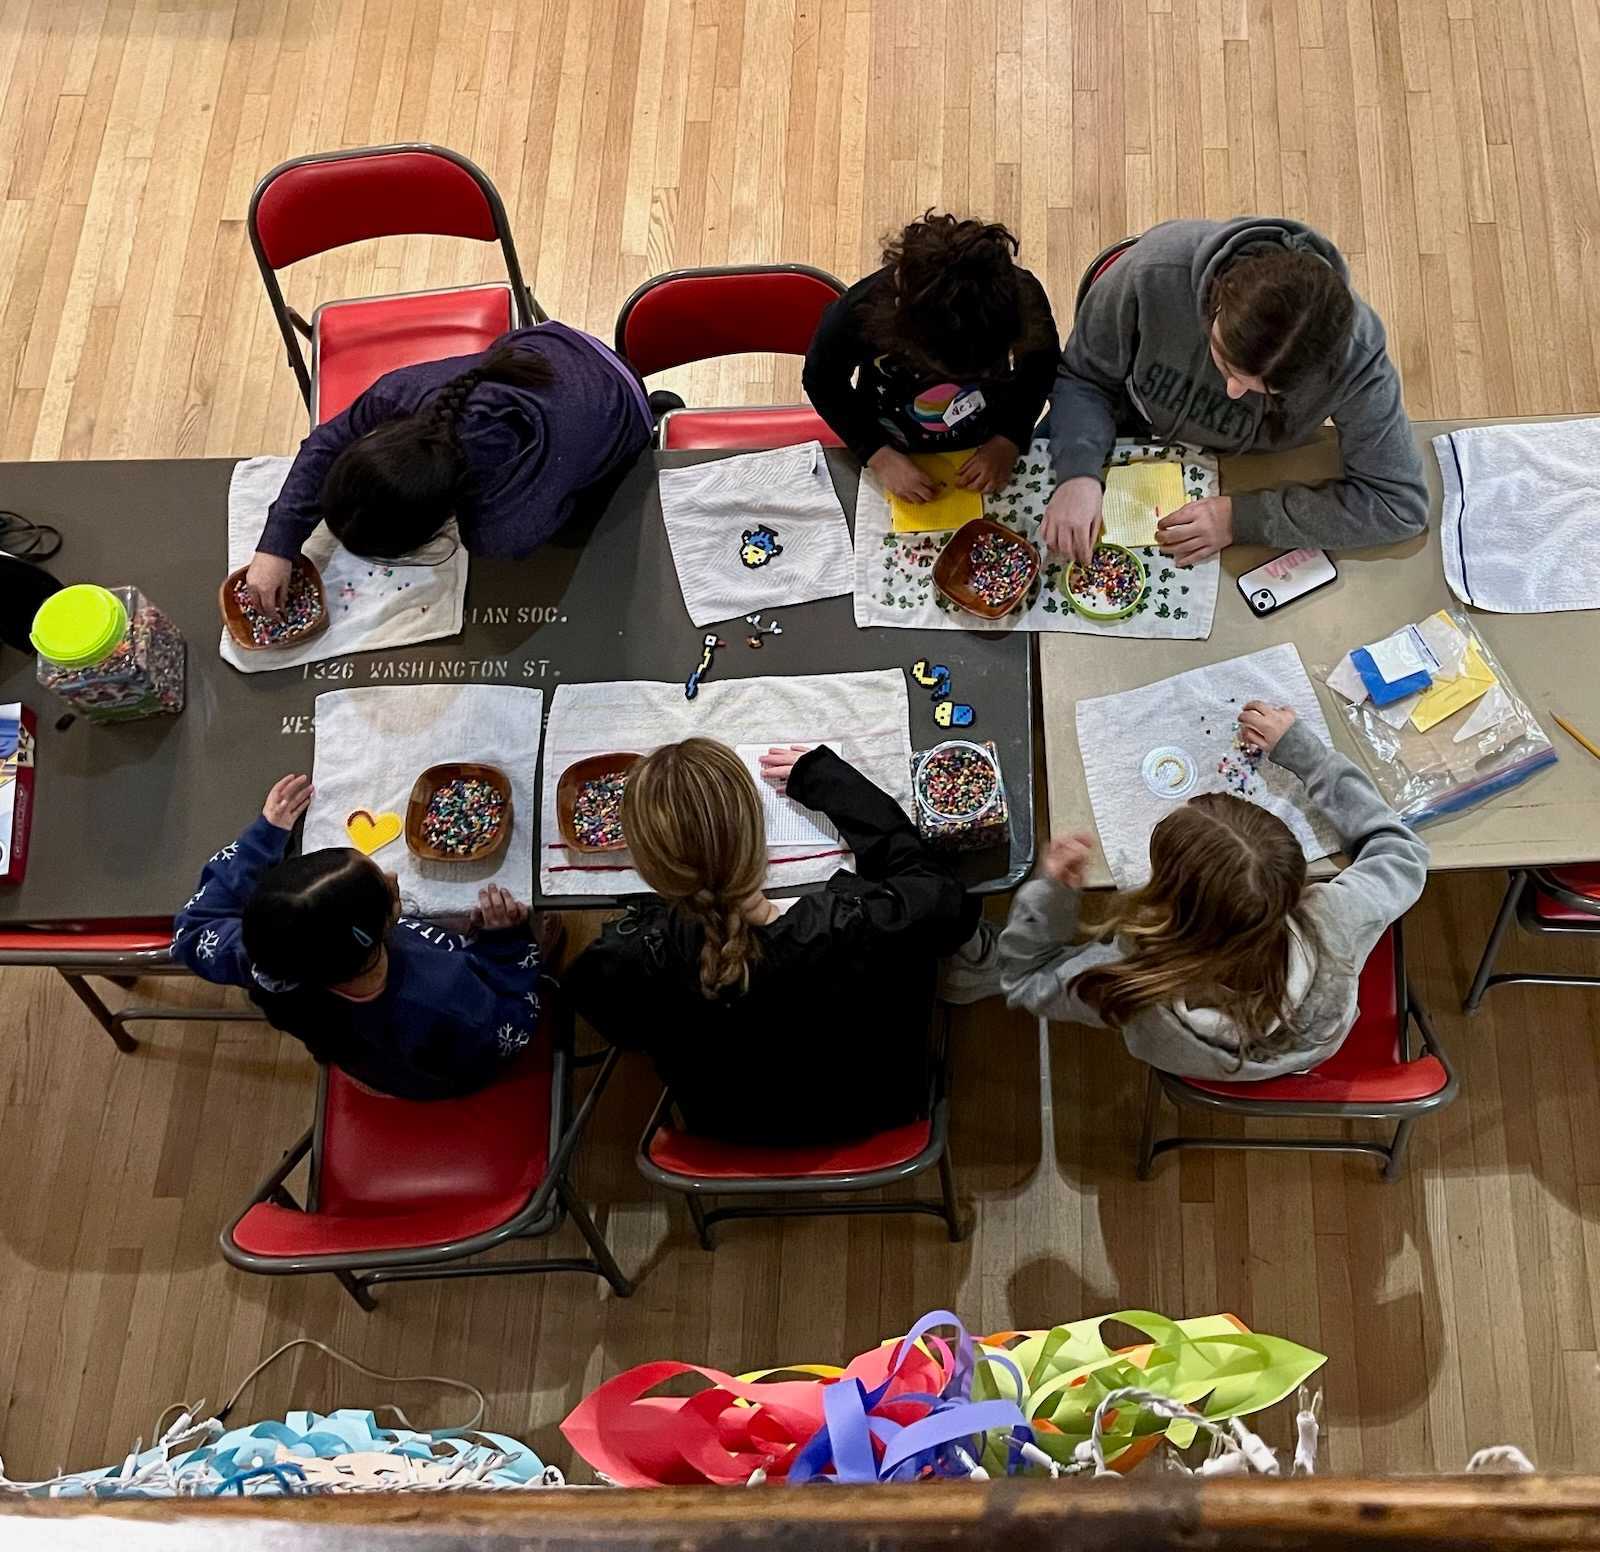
(532, 451)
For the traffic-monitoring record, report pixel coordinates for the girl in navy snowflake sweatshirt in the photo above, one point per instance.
(320, 945)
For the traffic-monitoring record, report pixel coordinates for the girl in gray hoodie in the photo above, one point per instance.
(1227, 964)
(1240, 336)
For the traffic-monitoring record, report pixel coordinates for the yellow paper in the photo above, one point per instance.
(952, 507)
(1137, 496)
(1448, 696)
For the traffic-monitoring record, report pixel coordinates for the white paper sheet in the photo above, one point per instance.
(372, 744)
(866, 716)
(370, 606)
(1194, 712)
(789, 824)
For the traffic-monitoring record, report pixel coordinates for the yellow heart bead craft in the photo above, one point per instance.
(370, 832)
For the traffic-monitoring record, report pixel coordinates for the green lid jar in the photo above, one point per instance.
(109, 653)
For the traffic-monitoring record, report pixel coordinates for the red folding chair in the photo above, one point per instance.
(1101, 263)
(401, 1190)
(700, 1168)
(1372, 1076)
(692, 315)
(121, 953)
(1551, 902)
(314, 203)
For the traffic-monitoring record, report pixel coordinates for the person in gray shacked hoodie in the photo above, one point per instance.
(1238, 336)
(1227, 964)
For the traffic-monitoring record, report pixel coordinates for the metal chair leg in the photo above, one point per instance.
(601, 1251)
(701, 1226)
(1491, 949)
(952, 1202)
(357, 1290)
(102, 1015)
(1147, 1132)
(1397, 1151)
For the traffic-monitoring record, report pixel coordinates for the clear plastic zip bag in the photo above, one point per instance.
(1489, 744)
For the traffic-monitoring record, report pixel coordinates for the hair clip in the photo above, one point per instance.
(361, 937)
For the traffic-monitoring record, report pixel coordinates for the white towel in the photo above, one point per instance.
(1521, 524)
(373, 744)
(370, 606)
(865, 716)
(780, 509)
(1194, 713)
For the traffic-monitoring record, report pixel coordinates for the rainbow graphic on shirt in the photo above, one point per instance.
(929, 406)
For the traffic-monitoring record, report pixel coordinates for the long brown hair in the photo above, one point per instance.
(1213, 925)
(1283, 316)
(957, 302)
(692, 816)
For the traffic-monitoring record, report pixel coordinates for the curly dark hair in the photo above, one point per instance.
(955, 302)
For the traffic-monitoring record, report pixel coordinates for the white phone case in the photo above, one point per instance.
(1285, 578)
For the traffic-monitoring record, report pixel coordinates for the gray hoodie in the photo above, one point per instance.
(1039, 961)
(1140, 355)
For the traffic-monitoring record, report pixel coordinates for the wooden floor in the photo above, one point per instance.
(1448, 146)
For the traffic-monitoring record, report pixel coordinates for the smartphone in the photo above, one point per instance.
(1285, 578)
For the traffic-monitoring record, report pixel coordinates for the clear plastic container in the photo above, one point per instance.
(109, 653)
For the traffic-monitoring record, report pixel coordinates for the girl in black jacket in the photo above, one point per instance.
(779, 1022)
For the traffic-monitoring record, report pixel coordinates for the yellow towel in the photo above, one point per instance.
(1137, 495)
(952, 507)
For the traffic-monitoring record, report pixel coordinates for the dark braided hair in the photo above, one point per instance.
(956, 302)
(393, 490)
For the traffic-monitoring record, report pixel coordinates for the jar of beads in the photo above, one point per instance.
(109, 653)
(960, 796)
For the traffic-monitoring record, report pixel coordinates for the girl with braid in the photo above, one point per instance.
(504, 442)
(780, 1021)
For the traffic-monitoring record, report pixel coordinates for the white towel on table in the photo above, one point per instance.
(1194, 712)
(865, 716)
(1521, 524)
(370, 606)
(373, 744)
(710, 507)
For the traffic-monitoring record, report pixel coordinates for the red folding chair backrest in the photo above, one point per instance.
(308, 207)
(695, 315)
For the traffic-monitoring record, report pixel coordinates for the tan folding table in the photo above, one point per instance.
(1553, 660)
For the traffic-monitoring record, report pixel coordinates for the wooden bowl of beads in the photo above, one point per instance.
(1110, 587)
(986, 568)
(589, 802)
(458, 812)
(305, 614)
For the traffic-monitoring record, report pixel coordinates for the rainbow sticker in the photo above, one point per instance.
(929, 406)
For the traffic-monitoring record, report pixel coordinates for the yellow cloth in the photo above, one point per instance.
(1137, 496)
(952, 507)
(1448, 696)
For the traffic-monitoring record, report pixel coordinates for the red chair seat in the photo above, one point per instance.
(683, 1154)
(1366, 1069)
(357, 341)
(779, 425)
(397, 1174)
(1583, 879)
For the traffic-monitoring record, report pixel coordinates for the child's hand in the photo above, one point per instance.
(989, 468)
(1072, 521)
(497, 909)
(287, 801)
(268, 578)
(1198, 531)
(1261, 725)
(901, 477)
(1066, 859)
(779, 761)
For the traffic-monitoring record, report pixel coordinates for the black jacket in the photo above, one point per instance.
(830, 1042)
(880, 408)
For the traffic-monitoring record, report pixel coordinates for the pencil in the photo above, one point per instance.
(1577, 735)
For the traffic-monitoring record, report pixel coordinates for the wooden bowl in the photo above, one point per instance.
(238, 628)
(952, 572)
(590, 768)
(422, 793)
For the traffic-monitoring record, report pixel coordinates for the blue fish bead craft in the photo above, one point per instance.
(954, 714)
(757, 546)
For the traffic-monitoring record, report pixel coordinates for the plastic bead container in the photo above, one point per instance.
(109, 653)
(960, 796)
